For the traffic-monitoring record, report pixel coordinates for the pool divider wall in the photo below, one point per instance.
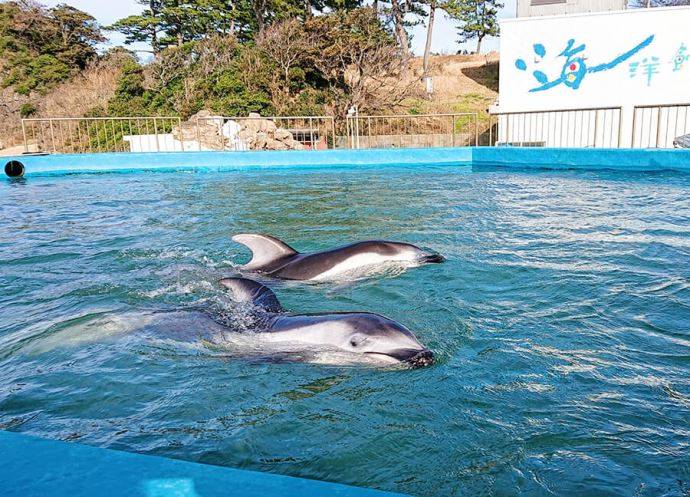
(516, 157)
(36, 467)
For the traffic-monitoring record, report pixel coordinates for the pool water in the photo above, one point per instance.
(561, 324)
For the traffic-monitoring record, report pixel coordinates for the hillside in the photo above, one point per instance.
(462, 83)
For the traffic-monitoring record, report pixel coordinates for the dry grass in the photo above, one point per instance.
(74, 98)
(91, 88)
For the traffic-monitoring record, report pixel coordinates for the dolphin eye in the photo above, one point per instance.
(356, 341)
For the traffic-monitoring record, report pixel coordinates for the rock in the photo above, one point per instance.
(276, 145)
(293, 145)
(253, 133)
(260, 141)
(283, 135)
(204, 128)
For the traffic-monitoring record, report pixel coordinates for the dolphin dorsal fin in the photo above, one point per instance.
(243, 290)
(265, 249)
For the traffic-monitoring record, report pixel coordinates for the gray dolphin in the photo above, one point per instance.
(275, 258)
(373, 336)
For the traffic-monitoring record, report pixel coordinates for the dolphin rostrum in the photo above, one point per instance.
(374, 337)
(275, 258)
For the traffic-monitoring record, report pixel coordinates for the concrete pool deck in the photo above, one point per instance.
(640, 160)
(36, 467)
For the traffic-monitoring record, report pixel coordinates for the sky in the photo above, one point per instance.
(444, 40)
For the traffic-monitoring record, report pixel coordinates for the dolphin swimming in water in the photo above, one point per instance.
(275, 258)
(371, 336)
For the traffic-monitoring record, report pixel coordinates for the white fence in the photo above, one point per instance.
(171, 134)
(413, 131)
(581, 128)
(653, 127)
(658, 126)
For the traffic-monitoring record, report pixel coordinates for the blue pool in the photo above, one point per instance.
(560, 322)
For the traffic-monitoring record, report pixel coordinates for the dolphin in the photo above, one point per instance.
(370, 336)
(272, 257)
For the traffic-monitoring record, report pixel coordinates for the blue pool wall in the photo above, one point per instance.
(649, 160)
(37, 467)
(622, 159)
(228, 161)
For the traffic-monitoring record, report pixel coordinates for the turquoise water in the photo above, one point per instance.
(560, 322)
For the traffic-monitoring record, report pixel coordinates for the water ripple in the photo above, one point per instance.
(560, 320)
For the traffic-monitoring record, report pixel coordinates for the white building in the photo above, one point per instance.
(604, 79)
(535, 8)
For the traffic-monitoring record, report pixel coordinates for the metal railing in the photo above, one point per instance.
(651, 126)
(581, 128)
(259, 133)
(414, 130)
(99, 134)
(657, 126)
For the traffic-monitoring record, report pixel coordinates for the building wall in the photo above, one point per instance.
(582, 61)
(535, 8)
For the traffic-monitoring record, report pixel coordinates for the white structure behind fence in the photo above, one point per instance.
(636, 61)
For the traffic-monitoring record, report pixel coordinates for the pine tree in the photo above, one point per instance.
(478, 18)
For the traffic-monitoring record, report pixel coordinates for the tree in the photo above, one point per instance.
(41, 47)
(287, 48)
(141, 28)
(175, 22)
(358, 59)
(478, 18)
(433, 5)
(398, 12)
(285, 44)
(400, 15)
(77, 35)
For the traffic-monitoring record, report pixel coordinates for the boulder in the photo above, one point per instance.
(212, 132)
(283, 135)
(204, 128)
(263, 134)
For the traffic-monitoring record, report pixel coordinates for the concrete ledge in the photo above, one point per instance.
(35, 467)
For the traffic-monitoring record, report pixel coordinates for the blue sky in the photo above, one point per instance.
(107, 11)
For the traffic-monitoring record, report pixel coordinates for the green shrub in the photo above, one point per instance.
(27, 110)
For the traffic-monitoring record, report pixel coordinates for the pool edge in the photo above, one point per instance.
(34, 466)
(632, 160)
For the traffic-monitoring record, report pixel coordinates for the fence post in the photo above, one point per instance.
(333, 132)
(476, 129)
(491, 129)
(52, 135)
(155, 130)
(452, 131)
(198, 135)
(26, 143)
(348, 132)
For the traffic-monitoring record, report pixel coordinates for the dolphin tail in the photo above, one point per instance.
(265, 249)
(243, 290)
